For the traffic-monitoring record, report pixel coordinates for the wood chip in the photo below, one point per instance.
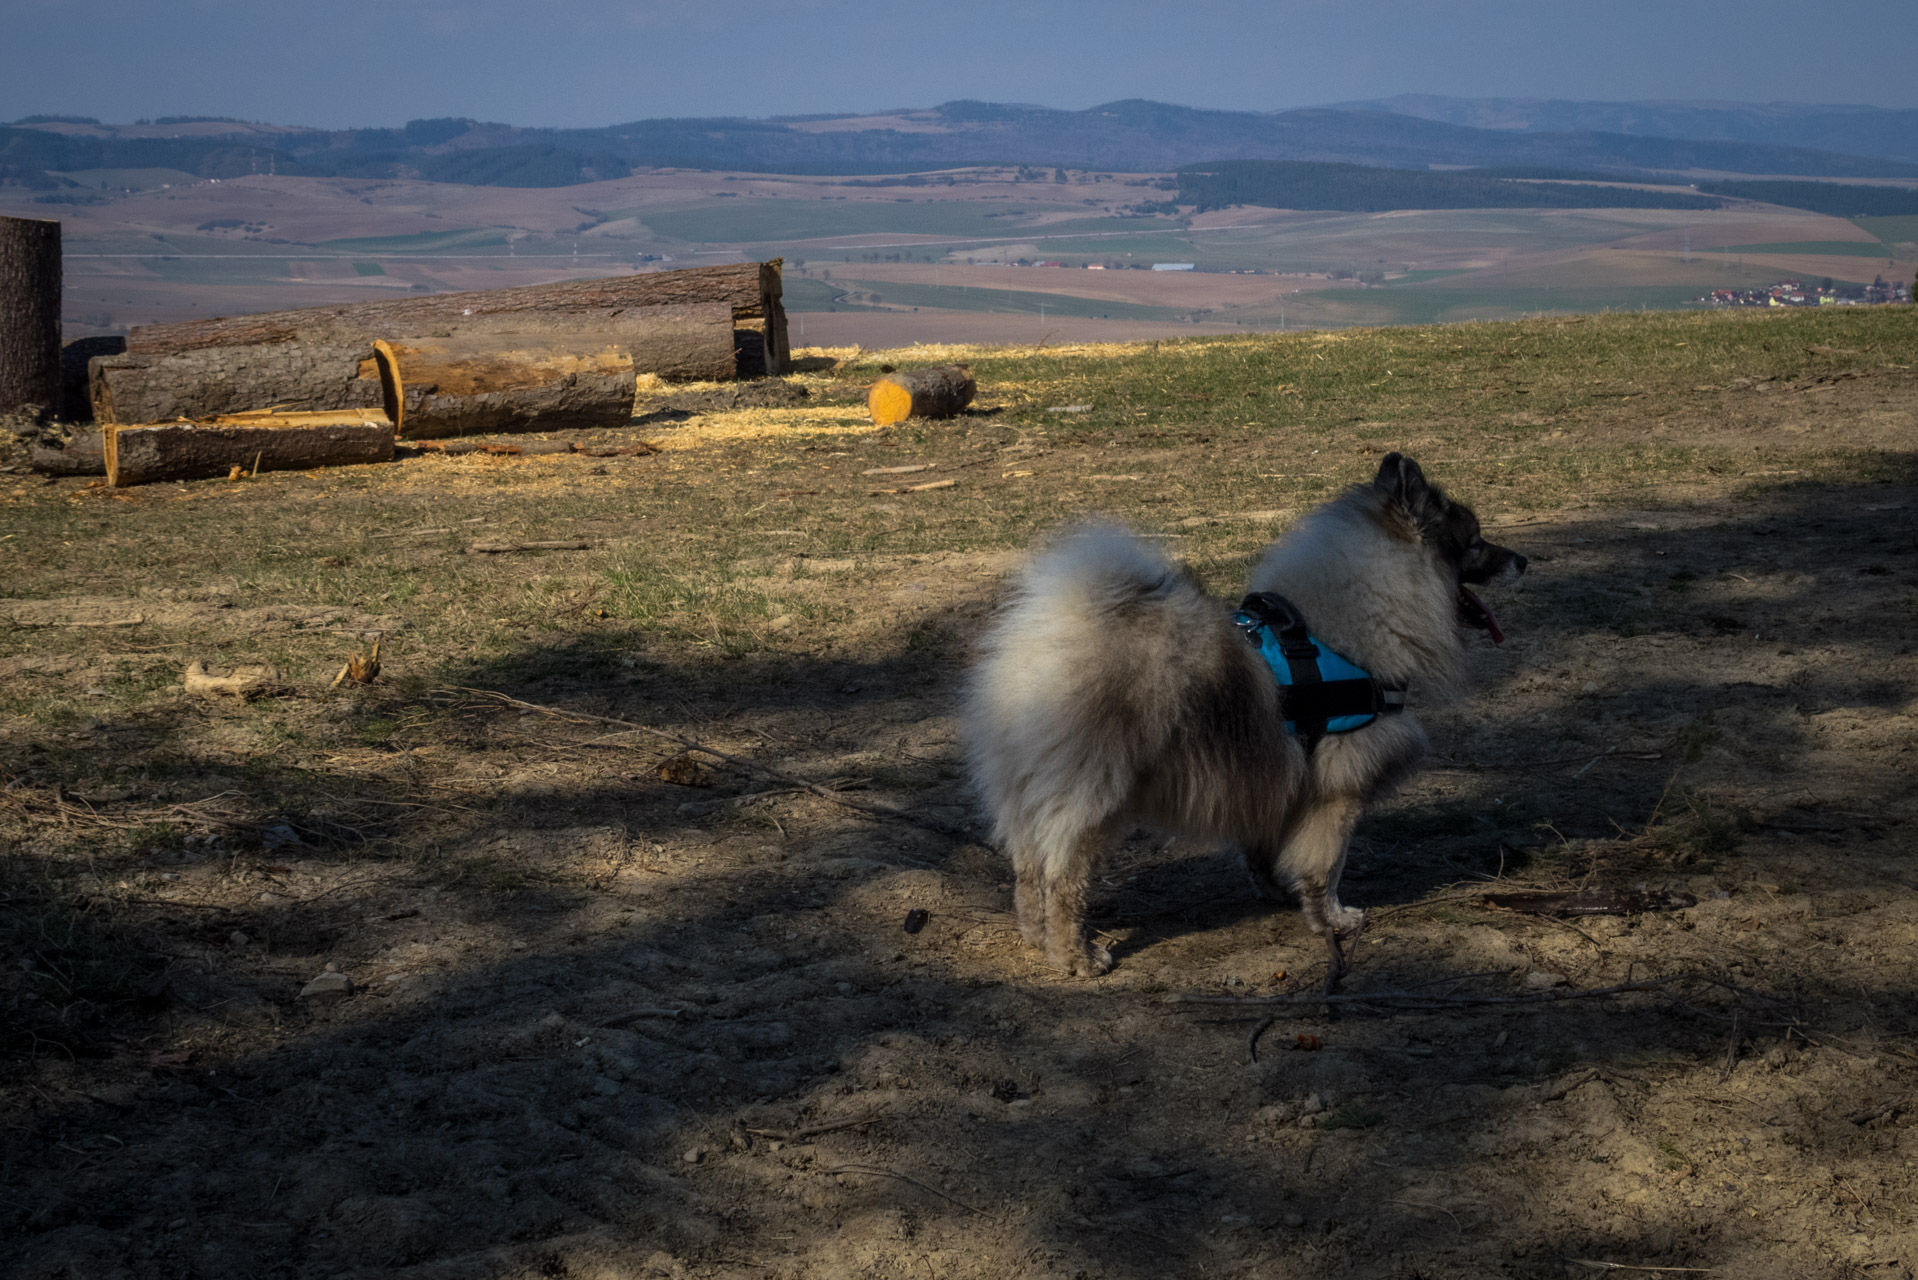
(897, 471)
(920, 488)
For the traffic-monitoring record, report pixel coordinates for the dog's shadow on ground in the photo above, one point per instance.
(581, 1087)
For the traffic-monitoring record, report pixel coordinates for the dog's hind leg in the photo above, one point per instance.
(1313, 857)
(1029, 891)
(1262, 865)
(1067, 873)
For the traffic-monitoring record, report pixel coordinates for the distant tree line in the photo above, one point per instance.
(1836, 199)
(1357, 188)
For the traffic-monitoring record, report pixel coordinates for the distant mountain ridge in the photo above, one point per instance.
(1131, 135)
(1883, 132)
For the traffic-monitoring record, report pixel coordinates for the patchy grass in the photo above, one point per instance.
(601, 983)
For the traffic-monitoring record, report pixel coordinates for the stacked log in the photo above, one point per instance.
(939, 392)
(478, 384)
(208, 381)
(250, 442)
(751, 290)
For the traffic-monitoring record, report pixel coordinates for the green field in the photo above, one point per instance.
(137, 179)
(748, 220)
(802, 293)
(1815, 249)
(1902, 230)
(1435, 304)
(467, 238)
(948, 297)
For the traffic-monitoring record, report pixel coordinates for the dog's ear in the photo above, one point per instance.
(1404, 485)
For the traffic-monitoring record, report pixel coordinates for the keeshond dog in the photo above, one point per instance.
(1112, 692)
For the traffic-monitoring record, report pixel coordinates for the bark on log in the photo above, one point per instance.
(751, 289)
(263, 442)
(29, 316)
(219, 380)
(683, 342)
(939, 392)
(84, 455)
(76, 399)
(476, 385)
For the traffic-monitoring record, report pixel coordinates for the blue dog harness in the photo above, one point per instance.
(1319, 691)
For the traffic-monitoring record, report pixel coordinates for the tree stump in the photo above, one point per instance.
(939, 392)
(29, 316)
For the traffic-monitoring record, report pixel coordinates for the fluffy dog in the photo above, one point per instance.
(1112, 692)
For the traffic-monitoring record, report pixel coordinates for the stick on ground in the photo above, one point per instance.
(871, 809)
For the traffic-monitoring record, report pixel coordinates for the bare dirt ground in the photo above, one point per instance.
(607, 1025)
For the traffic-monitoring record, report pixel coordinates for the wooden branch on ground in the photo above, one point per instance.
(1406, 1000)
(241, 682)
(493, 548)
(874, 810)
(814, 1130)
(537, 448)
(873, 1170)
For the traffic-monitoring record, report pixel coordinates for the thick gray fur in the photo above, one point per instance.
(1113, 692)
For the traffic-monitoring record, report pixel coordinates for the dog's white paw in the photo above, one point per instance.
(1345, 921)
(1096, 961)
(1342, 921)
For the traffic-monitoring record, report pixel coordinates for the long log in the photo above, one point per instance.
(29, 316)
(938, 392)
(751, 289)
(684, 342)
(140, 454)
(478, 384)
(215, 380)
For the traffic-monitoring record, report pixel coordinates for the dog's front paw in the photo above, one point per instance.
(1345, 921)
(1090, 963)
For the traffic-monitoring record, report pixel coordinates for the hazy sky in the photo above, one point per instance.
(590, 62)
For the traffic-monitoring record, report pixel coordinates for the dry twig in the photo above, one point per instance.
(1407, 1000)
(870, 808)
(876, 1171)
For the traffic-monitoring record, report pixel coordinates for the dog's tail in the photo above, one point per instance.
(1058, 706)
(1096, 569)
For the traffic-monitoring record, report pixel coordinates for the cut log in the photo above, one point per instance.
(219, 380)
(29, 316)
(76, 399)
(144, 453)
(690, 342)
(477, 385)
(939, 392)
(751, 290)
(84, 455)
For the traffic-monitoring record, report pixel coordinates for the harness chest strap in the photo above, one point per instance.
(1320, 691)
